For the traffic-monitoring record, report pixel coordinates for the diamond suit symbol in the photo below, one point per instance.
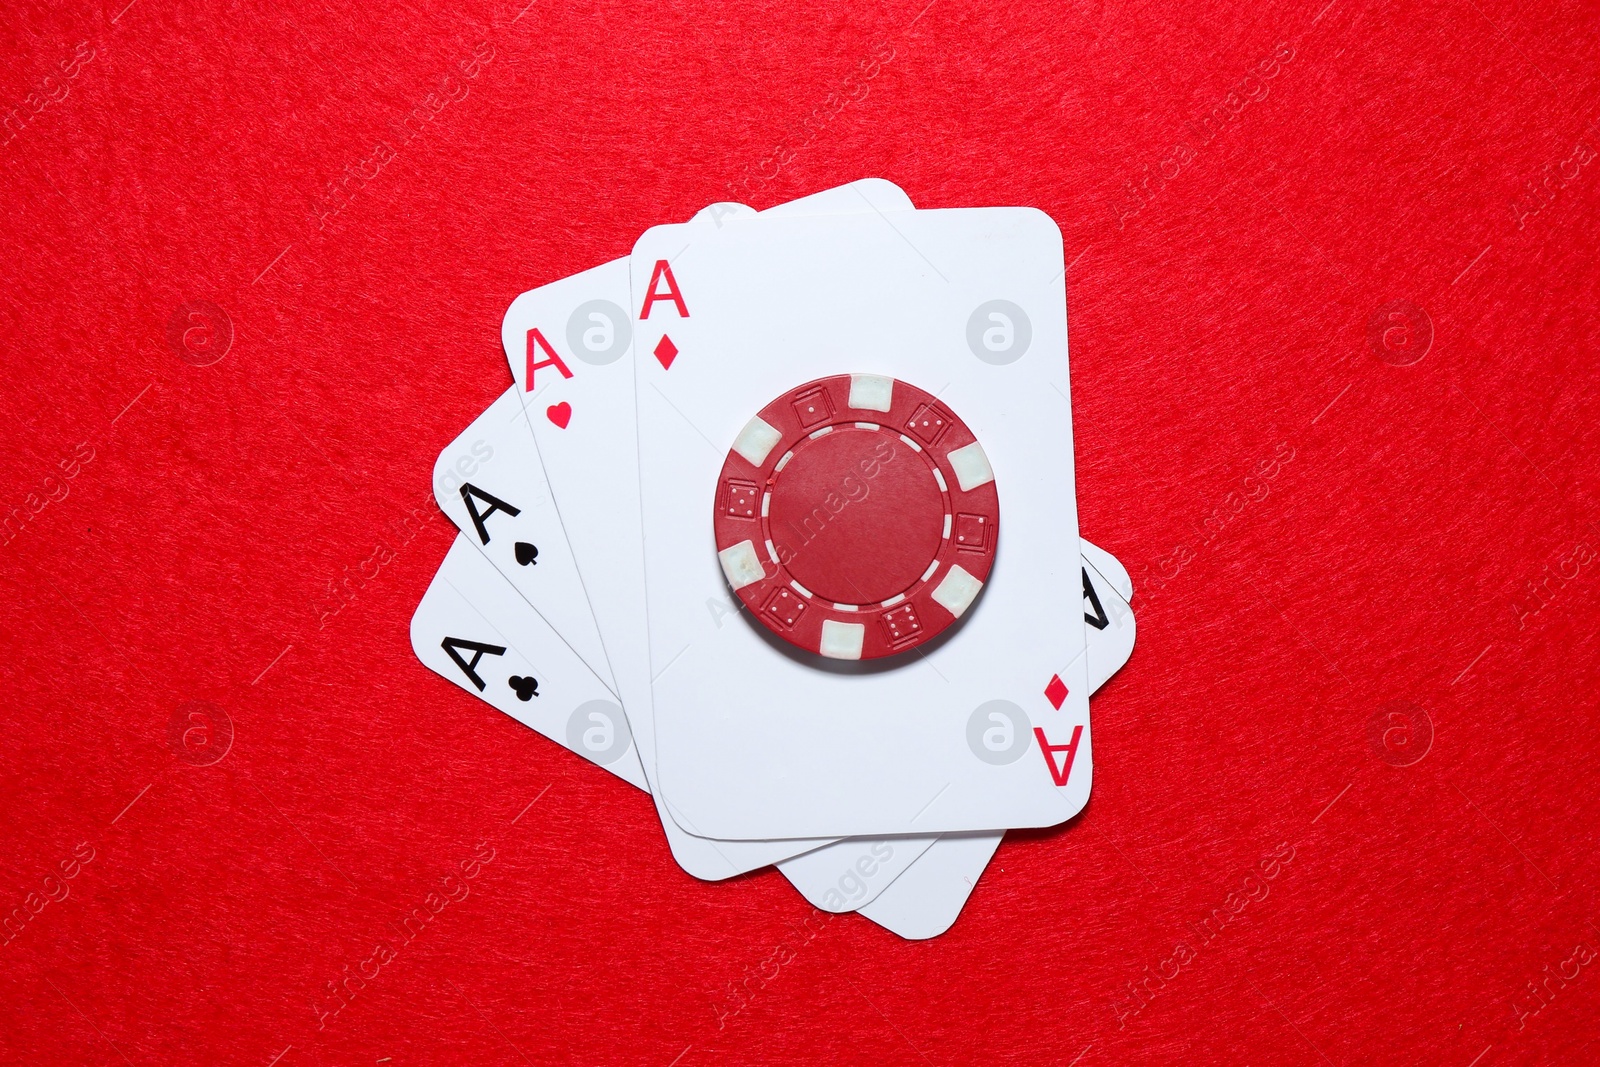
(666, 352)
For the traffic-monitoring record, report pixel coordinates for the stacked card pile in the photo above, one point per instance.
(778, 524)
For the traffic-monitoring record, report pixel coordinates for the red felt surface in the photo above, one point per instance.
(1342, 562)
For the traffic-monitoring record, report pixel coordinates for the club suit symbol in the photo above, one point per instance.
(525, 688)
(527, 554)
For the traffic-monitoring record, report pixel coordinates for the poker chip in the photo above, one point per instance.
(856, 516)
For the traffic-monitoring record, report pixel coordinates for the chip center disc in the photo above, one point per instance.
(856, 515)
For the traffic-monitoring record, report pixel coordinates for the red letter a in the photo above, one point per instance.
(1049, 750)
(663, 272)
(536, 341)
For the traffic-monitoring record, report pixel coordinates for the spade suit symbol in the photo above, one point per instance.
(526, 553)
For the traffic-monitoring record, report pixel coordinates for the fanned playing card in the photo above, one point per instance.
(474, 629)
(568, 343)
(829, 317)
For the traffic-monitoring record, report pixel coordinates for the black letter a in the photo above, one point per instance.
(469, 491)
(453, 645)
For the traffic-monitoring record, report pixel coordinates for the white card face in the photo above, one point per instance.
(755, 742)
(1111, 568)
(474, 629)
(849, 874)
(924, 901)
(854, 873)
(492, 486)
(568, 344)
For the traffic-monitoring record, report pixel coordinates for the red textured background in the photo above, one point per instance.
(1390, 559)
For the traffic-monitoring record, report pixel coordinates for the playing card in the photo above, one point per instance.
(566, 343)
(753, 738)
(473, 628)
(492, 487)
(942, 871)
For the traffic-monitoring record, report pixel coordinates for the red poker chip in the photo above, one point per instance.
(856, 516)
